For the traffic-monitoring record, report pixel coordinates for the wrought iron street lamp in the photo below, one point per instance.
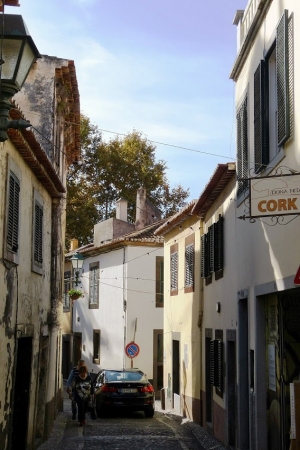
(17, 55)
(77, 263)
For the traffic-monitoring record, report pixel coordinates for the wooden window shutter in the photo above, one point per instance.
(38, 235)
(13, 214)
(211, 236)
(174, 271)
(189, 265)
(219, 361)
(203, 256)
(94, 284)
(219, 244)
(159, 272)
(242, 146)
(213, 362)
(282, 74)
(261, 150)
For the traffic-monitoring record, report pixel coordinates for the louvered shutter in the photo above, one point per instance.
(219, 360)
(261, 150)
(242, 146)
(211, 248)
(174, 270)
(282, 74)
(189, 265)
(219, 244)
(13, 214)
(203, 256)
(213, 362)
(38, 235)
(93, 288)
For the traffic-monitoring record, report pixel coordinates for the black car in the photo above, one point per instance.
(126, 389)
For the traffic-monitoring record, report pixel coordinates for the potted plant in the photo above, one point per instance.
(74, 294)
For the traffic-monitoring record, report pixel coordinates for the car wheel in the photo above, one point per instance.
(149, 412)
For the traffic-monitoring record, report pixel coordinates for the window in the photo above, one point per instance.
(212, 250)
(96, 346)
(242, 146)
(189, 264)
(174, 269)
(67, 287)
(272, 97)
(94, 286)
(38, 234)
(12, 238)
(159, 281)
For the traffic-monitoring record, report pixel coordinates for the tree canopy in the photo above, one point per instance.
(111, 170)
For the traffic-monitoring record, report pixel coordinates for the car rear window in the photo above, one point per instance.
(125, 376)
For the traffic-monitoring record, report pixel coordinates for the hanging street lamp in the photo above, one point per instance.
(17, 55)
(77, 263)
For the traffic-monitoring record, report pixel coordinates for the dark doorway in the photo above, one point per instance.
(158, 361)
(77, 341)
(243, 369)
(21, 394)
(231, 388)
(66, 356)
(176, 370)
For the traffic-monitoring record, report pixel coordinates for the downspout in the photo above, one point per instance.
(200, 321)
(124, 307)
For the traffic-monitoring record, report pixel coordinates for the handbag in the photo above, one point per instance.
(92, 406)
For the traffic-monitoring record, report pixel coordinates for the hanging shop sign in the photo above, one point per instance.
(275, 195)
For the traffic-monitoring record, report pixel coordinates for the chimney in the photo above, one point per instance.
(146, 213)
(73, 244)
(121, 209)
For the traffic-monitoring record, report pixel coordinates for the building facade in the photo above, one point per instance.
(33, 166)
(122, 283)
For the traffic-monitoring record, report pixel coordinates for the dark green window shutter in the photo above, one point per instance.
(219, 374)
(282, 73)
(203, 256)
(94, 283)
(38, 235)
(261, 150)
(219, 244)
(242, 146)
(211, 240)
(13, 214)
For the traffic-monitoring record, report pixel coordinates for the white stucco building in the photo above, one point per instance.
(122, 282)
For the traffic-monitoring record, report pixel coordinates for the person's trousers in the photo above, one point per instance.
(74, 407)
(82, 405)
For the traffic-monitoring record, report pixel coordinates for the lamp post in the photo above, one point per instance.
(77, 263)
(17, 55)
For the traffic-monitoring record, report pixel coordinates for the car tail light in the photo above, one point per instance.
(148, 388)
(106, 388)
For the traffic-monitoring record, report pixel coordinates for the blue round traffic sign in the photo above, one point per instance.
(132, 350)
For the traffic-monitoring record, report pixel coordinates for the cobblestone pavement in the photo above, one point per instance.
(165, 431)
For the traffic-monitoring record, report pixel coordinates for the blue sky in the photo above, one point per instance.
(158, 66)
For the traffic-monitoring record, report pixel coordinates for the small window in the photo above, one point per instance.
(67, 287)
(94, 285)
(96, 346)
(174, 269)
(12, 237)
(159, 281)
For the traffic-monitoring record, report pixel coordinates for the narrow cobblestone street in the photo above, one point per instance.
(165, 431)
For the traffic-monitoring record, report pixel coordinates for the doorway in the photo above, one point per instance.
(175, 370)
(77, 343)
(158, 365)
(21, 394)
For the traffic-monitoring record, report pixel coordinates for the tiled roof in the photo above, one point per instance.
(221, 177)
(145, 236)
(34, 156)
(176, 219)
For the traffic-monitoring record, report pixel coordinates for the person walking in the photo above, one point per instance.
(83, 392)
(74, 372)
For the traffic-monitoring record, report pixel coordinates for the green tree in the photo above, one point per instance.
(111, 170)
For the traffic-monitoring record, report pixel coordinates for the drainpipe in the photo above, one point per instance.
(124, 307)
(200, 321)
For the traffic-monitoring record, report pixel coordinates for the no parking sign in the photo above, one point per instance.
(132, 349)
